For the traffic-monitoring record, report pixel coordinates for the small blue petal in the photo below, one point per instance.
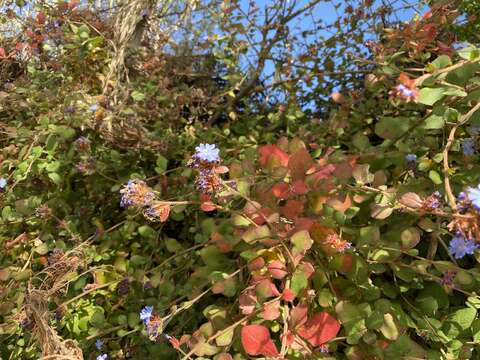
(146, 314)
(102, 357)
(98, 344)
(3, 183)
(207, 152)
(411, 157)
(459, 246)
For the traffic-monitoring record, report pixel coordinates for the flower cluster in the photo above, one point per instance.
(206, 160)
(86, 166)
(152, 321)
(448, 278)
(432, 202)
(460, 246)
(136, 193)
(468, 146)
(469, 199)
(82, 144)
(336, 242)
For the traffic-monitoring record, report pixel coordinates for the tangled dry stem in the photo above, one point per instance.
(54, 279)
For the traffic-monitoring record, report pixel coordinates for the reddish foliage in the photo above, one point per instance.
(319, 329)
(256, 341)
(266, 288)
(271, 155)
(288, 295)
(206, 204)
(247, 301)
(41, 18)
(281, 190)
(299, 187)
(299, 163)
(271, 311)
(256, 264)
(292, 209)
(3, 54)
(277, 269)
(298, 316)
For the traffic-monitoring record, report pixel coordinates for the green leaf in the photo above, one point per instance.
(389, 328)
(391, 128)
(57, 179)
(138, 96)
(147, 232)
(441, 62)
(162, 163)
(469, 53)
(463, 318)
(299, 282)
(434, 122)
(430, 96)
(435, 177)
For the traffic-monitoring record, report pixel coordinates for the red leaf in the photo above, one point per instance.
(224, 356)
(206, 204)
(271, 311)
(266, 288)
(292, 209)
(272, 155)
(174, 342)
(256, 264)
(277, 269)
(3, 54)
(319, 329)
(41, 18)
(256, 341)
(299, 187)
(288, 295)
(247, 301)
(221, 169)
(281, 190)
(299, 163)
(158, 211)
(298, 315)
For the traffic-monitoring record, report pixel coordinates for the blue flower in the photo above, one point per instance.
(93, 107)
(411, 157)
(207, 152)
(3, 183)
(474, 196)
(98, 344)
(405, 91)
(468, 146)
(102, 357)
(146, 314)
(459, 246)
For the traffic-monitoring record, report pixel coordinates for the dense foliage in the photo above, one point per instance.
(224, 180)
